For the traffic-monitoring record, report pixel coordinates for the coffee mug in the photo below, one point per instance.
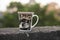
(25, 20)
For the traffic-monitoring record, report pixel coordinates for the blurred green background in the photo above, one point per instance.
(46, 17)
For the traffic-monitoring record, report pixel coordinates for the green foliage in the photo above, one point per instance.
(17, 4)
(11, 20)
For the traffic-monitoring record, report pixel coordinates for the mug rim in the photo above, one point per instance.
(25, 12)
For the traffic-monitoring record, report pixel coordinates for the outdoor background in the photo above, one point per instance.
(49, 14)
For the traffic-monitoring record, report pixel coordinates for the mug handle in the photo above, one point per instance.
(36, 21)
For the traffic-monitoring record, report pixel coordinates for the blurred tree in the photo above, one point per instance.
(42, 15)
(49, 19)
(17, 4)
(11, 20)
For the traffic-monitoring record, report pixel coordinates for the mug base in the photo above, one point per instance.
(24, 28)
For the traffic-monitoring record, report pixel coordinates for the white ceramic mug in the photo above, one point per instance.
(25, 19)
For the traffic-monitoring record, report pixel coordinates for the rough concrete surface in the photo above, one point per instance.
(37, 33)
